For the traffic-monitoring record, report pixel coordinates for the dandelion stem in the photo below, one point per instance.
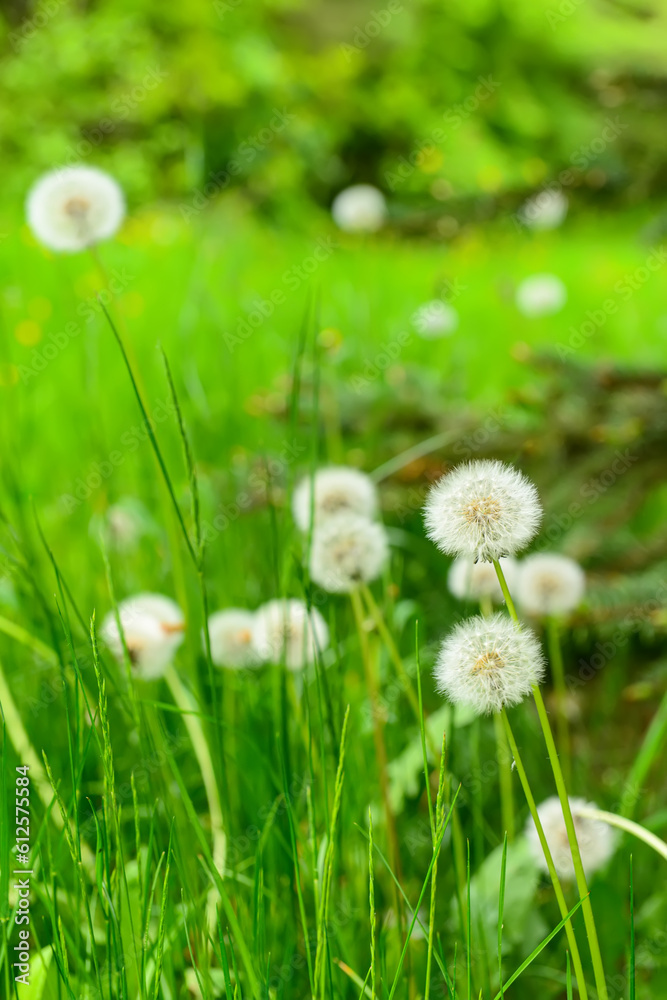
(505, 779)
(378, 730)
(628, 825)
(560, 897)
(503, 758)
(556, 660)
(582, 885)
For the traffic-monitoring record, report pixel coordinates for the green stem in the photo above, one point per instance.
(505, 589)
(505, 779)
(558, 671)
(378, 734)
(502, 754)
(628, 825)
(190, 710)
(560, 896)
(580, 875)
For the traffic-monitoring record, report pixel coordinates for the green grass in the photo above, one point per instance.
(123, 858)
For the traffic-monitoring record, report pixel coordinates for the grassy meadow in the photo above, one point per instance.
(342, 830)
(335, 374)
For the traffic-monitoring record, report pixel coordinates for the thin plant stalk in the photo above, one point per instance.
(503, 758)
(627, 825)
(439, 820)
(558, 672)
(189, 709)
(378, 728)
(555, 881)
(505, 779)
(580, 875)
(371, 901)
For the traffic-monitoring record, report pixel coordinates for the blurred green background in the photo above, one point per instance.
(164, 96)
(231, 126)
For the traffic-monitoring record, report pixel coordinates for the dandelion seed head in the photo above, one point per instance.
(74, 208)
(541, 295)
(597, 841)
(489, 663)
(550, 584)
(435, 319)
(483, 510)
(153, 626)
(231, 635)
(545, 210)
(359, 209)
(337, 489)
(469, 580)
(286, 632)
(347, 550)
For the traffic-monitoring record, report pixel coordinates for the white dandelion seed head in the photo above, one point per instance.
(231, 635)
(74, 208)
(597, 840)
(153, 627)
(489, 663)
(470, 580)
(545, 210)
(483, 510)
(286, 632)
(435, 319)
(347, 550)
(337, 489)
(541, 295)
(550, 584)
(359, 209)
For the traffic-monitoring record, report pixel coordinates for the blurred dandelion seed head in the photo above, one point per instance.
(435, 319)
(333, 490)
(153, 626)
(545, 210)
(550, 584)
(359, 209)
(469, 580)
(347, 550)
(74, 208)
(597, 841)
(285, 631)
(541, 295)
(231, 635)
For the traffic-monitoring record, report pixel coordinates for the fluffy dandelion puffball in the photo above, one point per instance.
(347, 550)
(489, 663)
(545, 210)
(359, 209)
(153, 627)
(435, 319)
(541, 295)
(483, 510)
(550, 584)
(74, 208)
(597, 840)
(286, 632)
(469, 580)
(335, 489)
(231, 635)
